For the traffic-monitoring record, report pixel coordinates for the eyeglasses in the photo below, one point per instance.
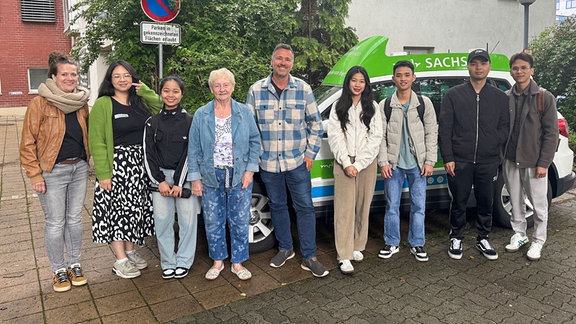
(119, 76)
(521, 68)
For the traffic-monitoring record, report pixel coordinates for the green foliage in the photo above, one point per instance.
(555, 65)
(237, 34)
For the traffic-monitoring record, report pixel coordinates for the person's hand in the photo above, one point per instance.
(540, 172)
(39, 187)
(164, 189)
(309, 163)
(247, 179)
(427, 170)
(386, 171)
(137, 86)
(351, 171)
(197, 188)
(450, 167)
(176, 191)
(105, 184)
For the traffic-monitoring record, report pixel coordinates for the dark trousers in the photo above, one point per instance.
(483, 177)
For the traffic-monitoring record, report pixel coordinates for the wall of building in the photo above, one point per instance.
(450, 25)
(564, 10)
(24, 45)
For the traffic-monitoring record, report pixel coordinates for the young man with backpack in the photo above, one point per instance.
(529, 152)
(408, 150)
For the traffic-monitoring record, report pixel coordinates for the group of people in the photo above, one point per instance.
(480, 130)
(153, 161)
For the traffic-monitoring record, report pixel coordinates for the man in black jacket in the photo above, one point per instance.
(473, 128)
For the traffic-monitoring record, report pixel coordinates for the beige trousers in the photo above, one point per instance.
(352, 199)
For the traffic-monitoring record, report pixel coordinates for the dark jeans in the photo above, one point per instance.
(483, 177)
(298, 183)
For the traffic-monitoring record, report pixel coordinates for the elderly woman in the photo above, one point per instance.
(54, 153)
(223, 151)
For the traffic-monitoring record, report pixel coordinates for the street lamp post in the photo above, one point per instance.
(526, 4)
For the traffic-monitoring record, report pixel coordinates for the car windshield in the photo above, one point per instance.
(325, 91)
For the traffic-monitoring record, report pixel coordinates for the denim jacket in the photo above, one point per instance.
(202, 137)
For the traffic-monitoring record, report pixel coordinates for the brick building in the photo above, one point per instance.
(31, 29)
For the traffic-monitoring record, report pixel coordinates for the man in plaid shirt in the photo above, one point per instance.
(291, 133)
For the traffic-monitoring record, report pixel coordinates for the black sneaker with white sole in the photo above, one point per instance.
(419, 253)
(455, 249)
(484, 246)
(388, 251)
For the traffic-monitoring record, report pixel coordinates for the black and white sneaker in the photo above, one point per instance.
(455, 249)
(180, 273)
(484, 246)
(388, 251)
(167, 274)
(419, 253)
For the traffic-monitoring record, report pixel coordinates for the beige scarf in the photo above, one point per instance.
(66, 101)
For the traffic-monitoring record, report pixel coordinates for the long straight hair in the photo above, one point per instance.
(345, 101)
(107, 88)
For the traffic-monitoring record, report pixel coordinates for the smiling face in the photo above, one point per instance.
(121, 79)
(171, 94)
(403, 78)
(521, 71)
(282, 62)
(67, 77)
(222, 89)
(478, 69)
(357, 85)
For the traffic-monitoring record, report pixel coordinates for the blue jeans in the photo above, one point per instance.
(232, 206)
(188, 210)
(298, 183)
(62, 205)
(393, 188)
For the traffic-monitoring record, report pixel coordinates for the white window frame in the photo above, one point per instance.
(44, 70)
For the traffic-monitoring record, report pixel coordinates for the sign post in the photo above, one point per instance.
(161, 11)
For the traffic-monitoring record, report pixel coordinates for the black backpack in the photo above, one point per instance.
(388, 109)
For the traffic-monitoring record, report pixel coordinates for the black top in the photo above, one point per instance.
(73, 142)
(166, 145)
(127, 124)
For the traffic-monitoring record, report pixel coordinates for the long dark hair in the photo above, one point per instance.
(107, 89)
(345, 101)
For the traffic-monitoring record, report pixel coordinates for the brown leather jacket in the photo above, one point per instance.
(42, 136)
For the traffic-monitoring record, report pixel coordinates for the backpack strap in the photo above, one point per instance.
(540, 101)
(420, 108)
(387, 108)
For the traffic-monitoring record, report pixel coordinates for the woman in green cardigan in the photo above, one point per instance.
(122, 212)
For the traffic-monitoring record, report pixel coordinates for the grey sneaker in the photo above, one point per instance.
(280, 258)
(137, 260)
(314, 266)
(125, 270)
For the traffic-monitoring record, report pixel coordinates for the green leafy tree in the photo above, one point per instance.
(237, 34)
(555, 65)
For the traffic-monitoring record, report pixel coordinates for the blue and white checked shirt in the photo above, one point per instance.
(290, 126)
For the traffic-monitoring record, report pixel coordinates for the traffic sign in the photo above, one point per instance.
(161, 10)
(159, 33)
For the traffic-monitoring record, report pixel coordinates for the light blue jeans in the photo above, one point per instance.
(188, 210)
(233, 206)
(62, 205)
(393, 188)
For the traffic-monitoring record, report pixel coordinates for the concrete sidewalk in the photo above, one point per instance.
(27, 295)
(398, 290)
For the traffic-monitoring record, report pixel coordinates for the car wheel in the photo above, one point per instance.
(502, 211)
(261, 231)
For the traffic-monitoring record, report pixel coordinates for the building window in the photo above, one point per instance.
(570, 4)
(557, 5)
(35, 77)
(38, 11)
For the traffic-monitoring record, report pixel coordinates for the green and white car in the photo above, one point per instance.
(435, 74)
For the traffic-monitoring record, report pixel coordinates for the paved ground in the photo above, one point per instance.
(511, 289)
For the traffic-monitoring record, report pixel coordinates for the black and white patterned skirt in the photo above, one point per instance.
(125, 212)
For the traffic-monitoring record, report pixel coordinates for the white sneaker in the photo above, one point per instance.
(357, 256)
(535, 251)
(137, 260)
(346, 267)
(516, 242)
